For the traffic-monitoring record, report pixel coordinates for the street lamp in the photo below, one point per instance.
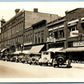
(17, 35)
(17, 40)
(21, 48)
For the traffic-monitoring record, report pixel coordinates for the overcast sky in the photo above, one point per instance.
(7, 8)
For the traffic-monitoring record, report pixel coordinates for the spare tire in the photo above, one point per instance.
(60, 60)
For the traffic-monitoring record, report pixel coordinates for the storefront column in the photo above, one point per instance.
(66, 34)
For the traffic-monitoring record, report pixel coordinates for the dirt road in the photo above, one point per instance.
(19, 70)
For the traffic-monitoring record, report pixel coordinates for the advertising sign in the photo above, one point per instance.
(80, 43)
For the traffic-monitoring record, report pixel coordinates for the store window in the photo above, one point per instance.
(42, 36)
(56, 34)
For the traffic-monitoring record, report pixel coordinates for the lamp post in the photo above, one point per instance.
(17, 39)
(21, 48)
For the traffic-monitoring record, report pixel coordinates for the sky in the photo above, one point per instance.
(59, 8)
(40, 83)
(38, 0)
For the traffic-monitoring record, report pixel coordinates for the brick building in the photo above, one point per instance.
(75, 28)
(67, 31)
(33, 28)
(36, 34)
(56, 30)
(14, 31)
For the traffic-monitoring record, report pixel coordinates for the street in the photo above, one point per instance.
(20, 70)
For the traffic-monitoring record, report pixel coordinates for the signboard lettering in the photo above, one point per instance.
(78, 43)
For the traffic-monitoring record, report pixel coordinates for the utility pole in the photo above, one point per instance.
(66, 36)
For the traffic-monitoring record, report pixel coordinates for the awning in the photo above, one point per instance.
(73, 24)
(56, 28)
(74, 21)
(75, 49)
(24, 51)
(29, 43)
(36, 49)
(3, 49)
(55, 49)
(17, 52)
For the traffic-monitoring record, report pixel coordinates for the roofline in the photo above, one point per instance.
(42, 12)
(56, 21)
(42, 21)
(23, 12)
(12, 18)
(72, 10)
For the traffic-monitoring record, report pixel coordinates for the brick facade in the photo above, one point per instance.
(14, 31)
(34, 17)
(73, 26)
(75, 23)
(56, 33)
(33, 28)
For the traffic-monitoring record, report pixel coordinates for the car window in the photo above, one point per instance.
(45, 53)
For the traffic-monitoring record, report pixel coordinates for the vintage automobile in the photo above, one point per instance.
(20, 57)
(34, 58)
(4, 54)
(4, 58)
(61, 58)
(56, 59)
(14, 58)
(46, 58)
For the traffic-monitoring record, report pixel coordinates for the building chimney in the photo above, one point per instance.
(35, 9)
(2, 21)
(17, 11)
(66, 12)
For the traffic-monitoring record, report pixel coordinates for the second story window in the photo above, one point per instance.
(36, 38)
(61, 33)
(42, 36)
(56, 34)
(74, 28)
(74, 31)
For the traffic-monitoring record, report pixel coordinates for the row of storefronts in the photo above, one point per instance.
(26, 28)
(66, 31)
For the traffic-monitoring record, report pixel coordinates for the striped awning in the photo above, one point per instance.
(36, 49)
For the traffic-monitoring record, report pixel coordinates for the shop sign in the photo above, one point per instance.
(51, 39)
(28, 43)
(81, 43)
